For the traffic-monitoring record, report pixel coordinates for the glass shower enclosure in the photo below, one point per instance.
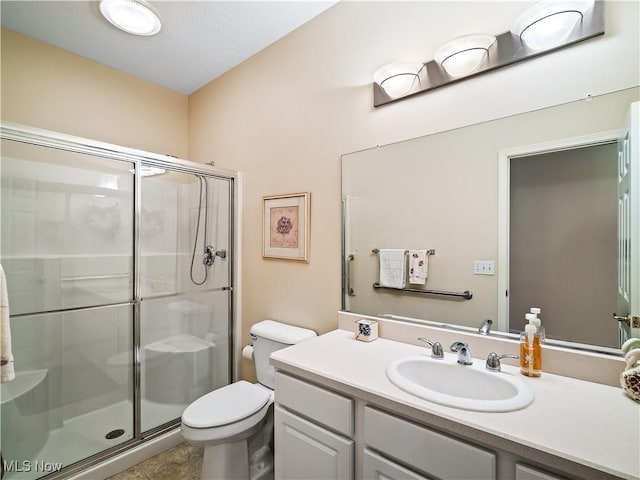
(119, 270)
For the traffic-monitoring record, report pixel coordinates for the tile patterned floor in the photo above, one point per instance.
(182, 462)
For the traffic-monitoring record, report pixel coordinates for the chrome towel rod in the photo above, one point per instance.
(466, 295)
(429, 252)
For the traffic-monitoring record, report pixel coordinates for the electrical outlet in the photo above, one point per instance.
(483, 267)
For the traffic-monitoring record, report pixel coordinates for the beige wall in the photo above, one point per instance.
(285, 116)
(48, 88)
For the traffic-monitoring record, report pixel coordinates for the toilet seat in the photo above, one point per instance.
(227, 405)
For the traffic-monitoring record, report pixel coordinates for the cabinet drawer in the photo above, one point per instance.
(428, 451)
(375, 467)
(327, 408)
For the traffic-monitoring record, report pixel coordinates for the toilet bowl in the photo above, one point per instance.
(223, 421)
(235, 423)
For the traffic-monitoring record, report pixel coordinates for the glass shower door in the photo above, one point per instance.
(67, 252)
(185, 278)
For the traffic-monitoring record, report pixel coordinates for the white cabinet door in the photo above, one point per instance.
(305, 451)
(527, 473)
(425, 449)
(375, 467)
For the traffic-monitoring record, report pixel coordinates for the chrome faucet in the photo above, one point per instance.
(436, 348)
(485, 328)
(464, 354)
(493, 361)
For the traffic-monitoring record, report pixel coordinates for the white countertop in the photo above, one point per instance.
(583, 422)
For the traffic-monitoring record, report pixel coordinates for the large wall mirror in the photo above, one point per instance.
(518, 212)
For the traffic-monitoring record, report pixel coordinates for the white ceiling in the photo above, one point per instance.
(199, 40)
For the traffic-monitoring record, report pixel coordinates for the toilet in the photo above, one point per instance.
(235, 423)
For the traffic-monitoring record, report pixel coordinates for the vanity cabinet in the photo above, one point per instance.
(316, 437)
(313, 432)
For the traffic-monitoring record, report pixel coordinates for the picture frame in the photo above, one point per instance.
(285, 226)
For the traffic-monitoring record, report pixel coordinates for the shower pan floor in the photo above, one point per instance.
(86, 435)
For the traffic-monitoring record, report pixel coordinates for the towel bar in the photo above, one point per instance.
(429, 252)
(466, 295)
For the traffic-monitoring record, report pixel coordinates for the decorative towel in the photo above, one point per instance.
(392, 270)
(6, 357)
(418, 267)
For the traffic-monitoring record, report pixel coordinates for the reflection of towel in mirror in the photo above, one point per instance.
(418, 267)
(6, 357)
(392, 271)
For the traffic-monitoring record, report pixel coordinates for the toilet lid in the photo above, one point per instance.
(226, 405)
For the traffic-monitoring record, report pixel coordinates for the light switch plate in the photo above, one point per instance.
(484, 267)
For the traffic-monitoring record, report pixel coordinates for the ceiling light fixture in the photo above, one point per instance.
(549, 23)
(132, 16)
(464, 55)
(399, 79)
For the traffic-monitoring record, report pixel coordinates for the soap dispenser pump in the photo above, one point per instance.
(537, 322)
(530, 348)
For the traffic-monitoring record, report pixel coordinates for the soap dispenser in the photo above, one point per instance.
(530, 348)
(538, 323)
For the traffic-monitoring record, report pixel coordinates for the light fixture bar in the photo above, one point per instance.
(508, 48)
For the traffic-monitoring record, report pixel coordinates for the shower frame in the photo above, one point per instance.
(59, 141)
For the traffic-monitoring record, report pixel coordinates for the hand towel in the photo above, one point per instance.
(392, 268)
(7, 372)
(418, 267)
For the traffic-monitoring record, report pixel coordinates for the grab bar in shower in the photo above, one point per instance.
(82, 278)
(466, 295)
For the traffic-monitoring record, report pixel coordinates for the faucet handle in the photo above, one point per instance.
(493, 360)
(437, 351)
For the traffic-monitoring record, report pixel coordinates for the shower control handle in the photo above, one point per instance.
(209, 255)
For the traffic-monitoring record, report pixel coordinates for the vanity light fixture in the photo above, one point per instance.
(464, 55)
(132, 16)
(398, 79)
(539, 30)
(549, 23)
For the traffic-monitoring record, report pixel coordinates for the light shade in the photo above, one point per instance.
(464, 55)
(132, 16)
(549, 23)
(398, 79)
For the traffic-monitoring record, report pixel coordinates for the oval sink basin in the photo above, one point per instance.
(469, 387)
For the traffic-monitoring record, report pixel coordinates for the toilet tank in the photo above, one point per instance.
(269, 336)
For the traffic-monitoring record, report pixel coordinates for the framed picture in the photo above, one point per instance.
(285, 226)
